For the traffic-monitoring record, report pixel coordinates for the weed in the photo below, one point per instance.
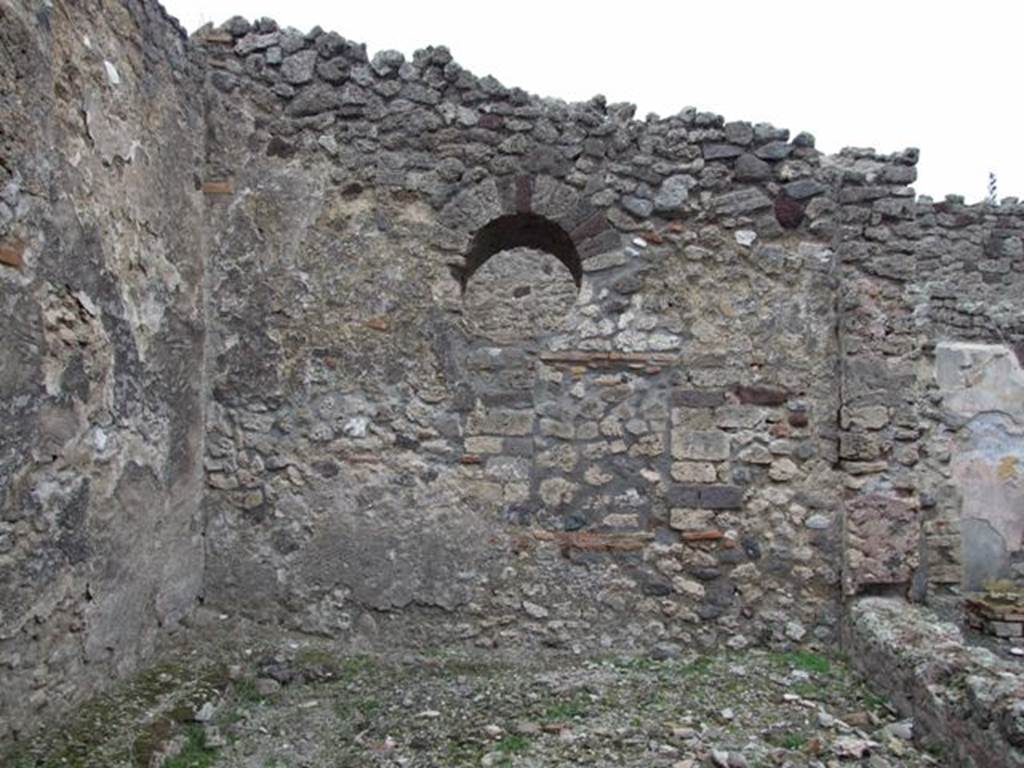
(698, 666)
(195, 753)
(354, 667)
(808, 661)
(513, 744)
(566, 709)
(877, 703)
(636, 664)
(246, 692)
(787, 739)
(809, 690)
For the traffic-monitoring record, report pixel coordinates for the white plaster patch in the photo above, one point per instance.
(112, 74)
(746, 237)
(976, 378)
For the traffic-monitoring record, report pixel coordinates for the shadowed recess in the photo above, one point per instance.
(520, 230)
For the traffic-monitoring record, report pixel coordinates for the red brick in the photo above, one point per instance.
(11, 253)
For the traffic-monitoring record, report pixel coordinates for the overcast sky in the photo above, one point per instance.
(941, 76)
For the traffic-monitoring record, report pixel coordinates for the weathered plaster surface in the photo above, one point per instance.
(983, 384)
(101, 346)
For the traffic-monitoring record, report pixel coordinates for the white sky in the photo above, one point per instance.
(942, 76)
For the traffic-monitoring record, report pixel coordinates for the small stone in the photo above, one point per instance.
(795, 631)
(745, 237)
(700, 445)
(603, 261)
(850, 747)
(493, 731)
(298, 68)
(803, 189)
(205, 713)
(112, 75)
(692, 519)
(742, 201)
(334, 71)
(265, 686)
(664, 651)
(774, 150)
(638, 206)
(817, 522)
(804, 139)
(721, 151)
(672, 193)
(902, 730)
(535, 611)
(782, 470)
(314, 101)
(386, 63)
(751, 168)
(727, 714)
(740, 133)
(328, 143)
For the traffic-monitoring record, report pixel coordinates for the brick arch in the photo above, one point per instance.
(521, 230)
(536, 211)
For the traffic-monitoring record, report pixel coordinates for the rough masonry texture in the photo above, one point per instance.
(379, 349)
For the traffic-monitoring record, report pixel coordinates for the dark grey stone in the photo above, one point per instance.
(638, 206)
(387, 63)
(750, 168)
(721, 151)
(298, 68)
(774, 150)
(315, 100)
(803, 189)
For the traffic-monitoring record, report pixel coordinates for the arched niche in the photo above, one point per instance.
(521, 230)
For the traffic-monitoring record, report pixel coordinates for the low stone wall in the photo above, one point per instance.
(967, 704)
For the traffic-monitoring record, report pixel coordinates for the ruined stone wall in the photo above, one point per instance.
(101, 346)
(931, 330)
(966, 703)
(629, 443)
(462, 364)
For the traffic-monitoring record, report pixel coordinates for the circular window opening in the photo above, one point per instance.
(518, 295)
(520, 278)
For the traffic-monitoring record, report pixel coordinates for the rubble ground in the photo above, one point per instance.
(298, 703)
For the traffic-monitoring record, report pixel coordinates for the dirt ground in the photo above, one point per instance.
(296, 703)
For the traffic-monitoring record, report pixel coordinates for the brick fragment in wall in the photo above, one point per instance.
(11, 253)
(760, 395)
(883, 538)
(693, 398)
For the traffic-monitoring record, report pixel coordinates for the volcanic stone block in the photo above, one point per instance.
(500, 421)
(700, 446)
(721, 497)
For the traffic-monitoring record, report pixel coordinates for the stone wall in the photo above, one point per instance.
(920, 277)
(737, 411)
(466, 365)
(967, 704)
(101, 408)
(648, 459)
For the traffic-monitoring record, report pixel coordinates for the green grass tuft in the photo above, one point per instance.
(195, 753)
